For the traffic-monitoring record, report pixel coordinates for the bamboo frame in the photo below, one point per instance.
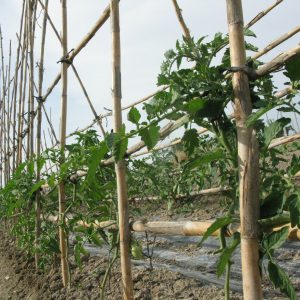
(63, 237)
(120, 168)
(248, 161)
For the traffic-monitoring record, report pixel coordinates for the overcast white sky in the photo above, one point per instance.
(148, 29)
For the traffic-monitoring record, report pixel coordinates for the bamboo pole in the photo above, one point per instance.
(30, 136)
(22, 92)
(262, 14)
(120, 167)
(184, 228)
(16, 77)
(284, 140)
(278, 61)
(276, 42)
(103, 18)
(97, 119)
(4, 117)
(182, 23)
(108, 114)
(248, 163)
(38, 139)
(63, 238)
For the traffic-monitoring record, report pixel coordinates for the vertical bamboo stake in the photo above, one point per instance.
(15, 94)
(38, 139)
(9, 106)
(63, 122)
(22, 92)
(3, 121)
(31, 26)
(247, 157)
(120, 165)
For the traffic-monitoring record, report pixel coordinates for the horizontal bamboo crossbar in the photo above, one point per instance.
(185, 228)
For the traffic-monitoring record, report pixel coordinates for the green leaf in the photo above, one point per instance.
(226, 254)
(190, 140)
(95, 239)
(78, 251)
(275, 239)
(205, 159)
(195, 105)
(281, 280)
(36, 186)
(293, 68)
(248, 32)
(294, 208)
(217, 224)
(150, 135)
(120, 144)
(274, 129)
(272, 204)
(134, 116)
(97, 154)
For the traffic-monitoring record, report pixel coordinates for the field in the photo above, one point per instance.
(191, 192)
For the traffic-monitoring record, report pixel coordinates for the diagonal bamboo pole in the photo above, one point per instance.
(97, 119)
(262, 14)
(182, 23)
(103, 18)
(120, 167)
(276, 42)
(38, 140)
(248, 164)
(63, 122)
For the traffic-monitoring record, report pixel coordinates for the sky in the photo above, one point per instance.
(148, 29)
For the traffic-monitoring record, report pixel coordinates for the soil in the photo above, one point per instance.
(177, 272)
(20, 280)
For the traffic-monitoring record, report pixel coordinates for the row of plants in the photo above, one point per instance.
(198, 75)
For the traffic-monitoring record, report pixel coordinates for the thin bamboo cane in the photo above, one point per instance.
(4, 114)
(31, 7)
(22, 92)
(50, 124)
(182, 23)
(276, 42)
(108, 114)
(38, 140)
(22, 88)
(120, 168)
(9, 110)
(97, 119)
(16, 77)
(247, 157)
(46, 147)
(262, 14)
(63, 238)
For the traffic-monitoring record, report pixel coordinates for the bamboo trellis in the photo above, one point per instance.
(18, 123)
